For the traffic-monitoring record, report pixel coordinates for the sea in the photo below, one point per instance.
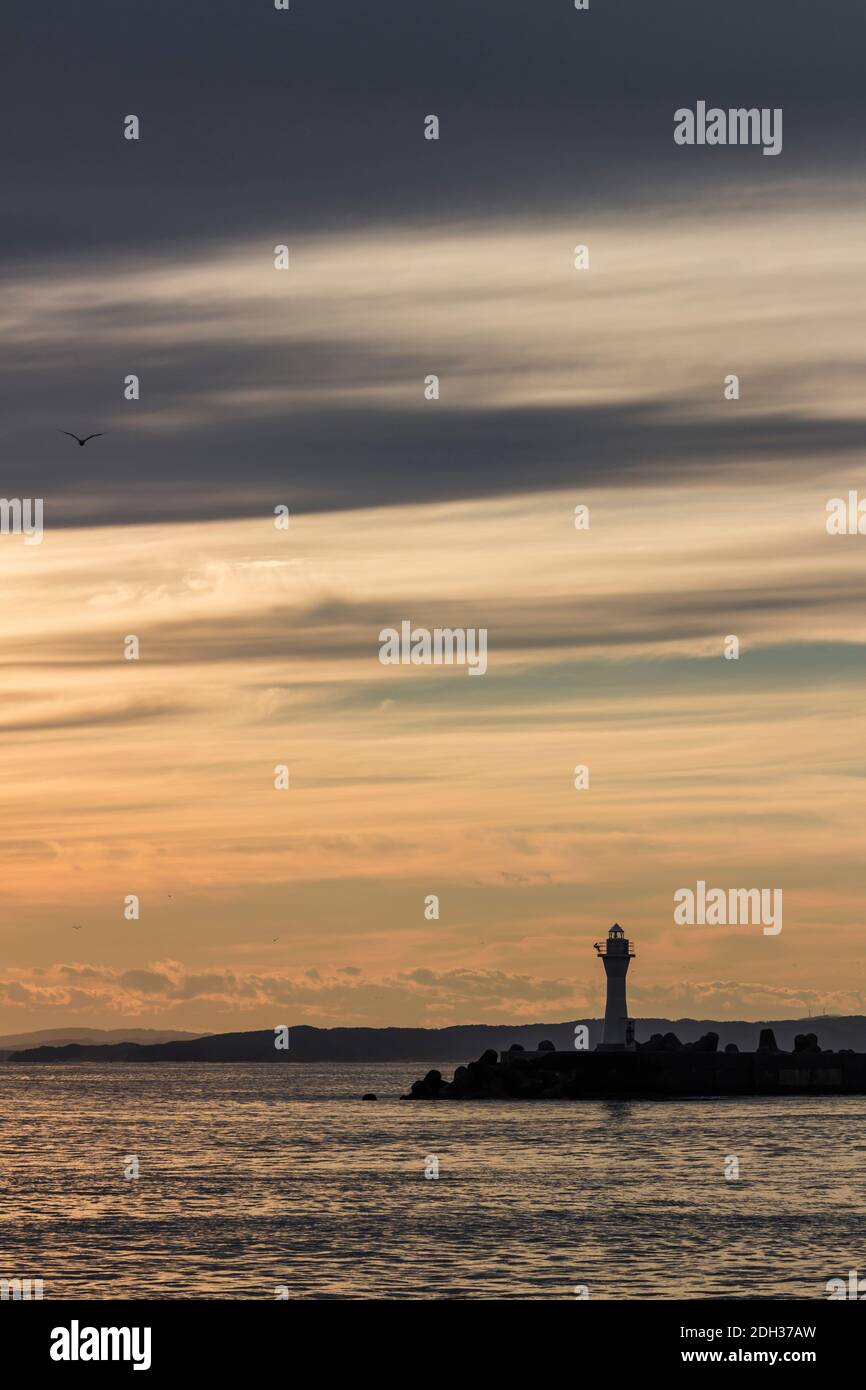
(278, 1181)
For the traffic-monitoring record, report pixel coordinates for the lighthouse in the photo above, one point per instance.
(616, 953)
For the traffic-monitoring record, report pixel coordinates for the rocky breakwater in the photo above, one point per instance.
(661, 1067)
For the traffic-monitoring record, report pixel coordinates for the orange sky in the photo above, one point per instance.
(260, 647)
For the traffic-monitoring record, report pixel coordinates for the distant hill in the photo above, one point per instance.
(58, 1037)
(458, 1044)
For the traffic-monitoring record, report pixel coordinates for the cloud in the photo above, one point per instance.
(146, 982)
(326, 406)
(135, 712)
(411, 258)
(743, 999)
(240, 1001)
(524, 97)
(331, 1000)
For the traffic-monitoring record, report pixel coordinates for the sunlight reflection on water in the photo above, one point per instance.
(256, 1176)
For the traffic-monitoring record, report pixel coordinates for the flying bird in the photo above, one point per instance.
(83, 441)
(76, 929)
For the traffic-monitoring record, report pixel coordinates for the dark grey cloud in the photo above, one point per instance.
(253, 118)
(269, 125)
(334, 459)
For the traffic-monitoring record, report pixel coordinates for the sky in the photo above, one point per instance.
(600, 388)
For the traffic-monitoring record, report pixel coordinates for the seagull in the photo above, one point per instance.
(76, 929)
(83, 441)
(276, 938)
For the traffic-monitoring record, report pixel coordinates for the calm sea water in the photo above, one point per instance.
(257, 1176)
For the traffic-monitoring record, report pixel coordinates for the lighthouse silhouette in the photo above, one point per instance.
(616, 953)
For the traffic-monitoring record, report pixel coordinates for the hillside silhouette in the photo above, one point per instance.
(434, 1044)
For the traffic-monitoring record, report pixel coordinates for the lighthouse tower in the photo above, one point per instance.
(616, 953)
